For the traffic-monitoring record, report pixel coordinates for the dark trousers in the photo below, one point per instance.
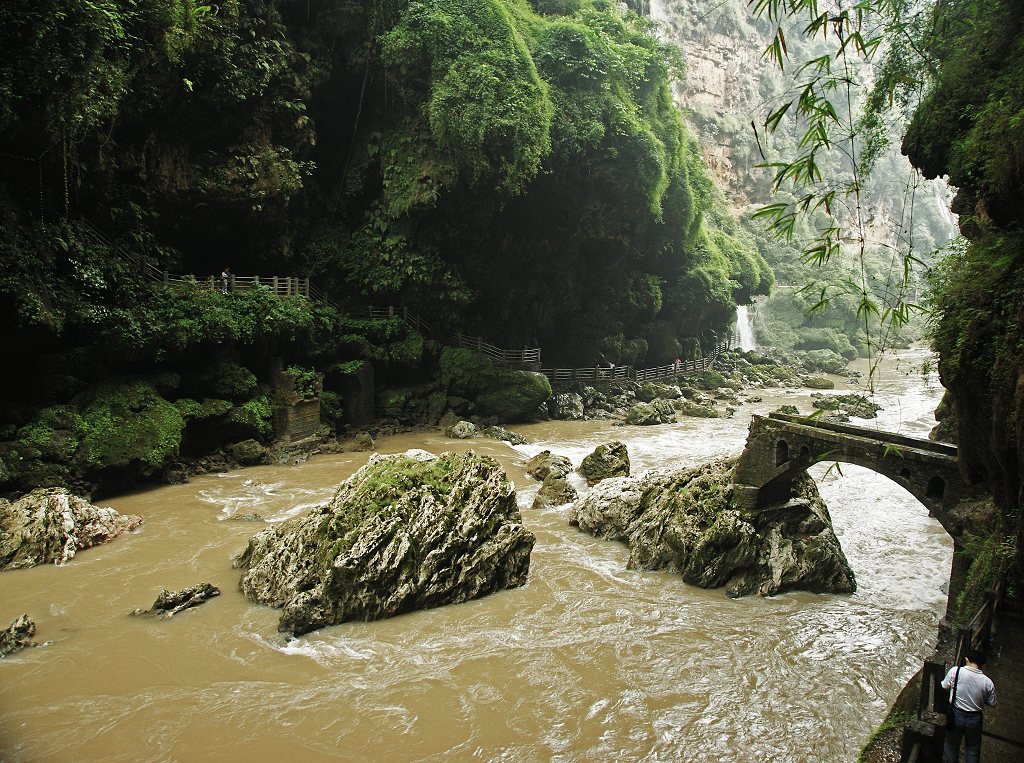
(966, 726)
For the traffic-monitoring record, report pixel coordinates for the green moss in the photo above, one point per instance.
(256, 415)
(229, 379)
(306, 382)
(209, 408)
(127, 422)
(990, 555)
(819, 382)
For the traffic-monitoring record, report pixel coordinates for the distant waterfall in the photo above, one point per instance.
(745, 328)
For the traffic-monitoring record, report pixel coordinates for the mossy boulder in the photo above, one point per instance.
(253, 419)
(51, 525)
(696, 410)
(851, 405)
(685, 520)
(819, 382)
(647, 414)
(127, 424)
(503, 393)
(566, 406)
(609, 460)
(226, 379)
(404, 533)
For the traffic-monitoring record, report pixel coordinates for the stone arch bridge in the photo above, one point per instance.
(780, 447)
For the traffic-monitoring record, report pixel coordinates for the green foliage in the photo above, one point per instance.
(990, 556)
(126, 422)
(255, 417)
(487, 109)
(76, 80)
(193, 410)
(824, 102)
(306, 382)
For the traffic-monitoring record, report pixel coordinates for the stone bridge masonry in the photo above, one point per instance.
(780, 447)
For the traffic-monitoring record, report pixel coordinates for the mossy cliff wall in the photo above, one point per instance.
(968, 126)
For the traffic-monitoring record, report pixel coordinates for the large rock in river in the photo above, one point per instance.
(51, 525)
(403, 533)
(684, 520)
(610, 460)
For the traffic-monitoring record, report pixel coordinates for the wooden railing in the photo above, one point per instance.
(933, 698)
(528, 357)
(563, 377)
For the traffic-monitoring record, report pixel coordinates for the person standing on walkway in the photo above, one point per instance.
(969, 691)
(225, 280)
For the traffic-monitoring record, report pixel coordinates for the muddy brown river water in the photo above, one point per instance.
(587, 662)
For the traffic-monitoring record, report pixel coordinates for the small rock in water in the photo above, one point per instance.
(169, 603)
(17, 636)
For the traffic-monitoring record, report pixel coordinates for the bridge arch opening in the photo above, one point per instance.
(936, 488)
(781, 452)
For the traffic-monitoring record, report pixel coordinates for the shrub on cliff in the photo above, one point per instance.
(506, 394)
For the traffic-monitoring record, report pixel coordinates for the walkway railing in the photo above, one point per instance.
(563, 377)
(528, 357)
(933, 698)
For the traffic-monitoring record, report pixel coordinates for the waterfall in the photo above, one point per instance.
(745, 328)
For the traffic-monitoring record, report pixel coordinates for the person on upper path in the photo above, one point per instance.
(225, 280)
(969, 691)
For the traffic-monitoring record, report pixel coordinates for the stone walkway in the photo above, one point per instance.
(1005, 666)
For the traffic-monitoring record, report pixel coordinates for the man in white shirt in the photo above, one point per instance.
(969, 691)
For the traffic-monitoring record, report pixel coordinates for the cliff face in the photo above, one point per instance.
(723, 71)
(968, 127)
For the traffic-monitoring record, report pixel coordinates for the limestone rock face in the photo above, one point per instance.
(461, 430)
(169, 603)
(404, 533)
(51, 525)
(611, 460)
(553, 471)
(18, 635)
(645, 414)
(684, 520)
(566, 406)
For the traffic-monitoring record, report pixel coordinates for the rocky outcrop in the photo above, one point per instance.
(566, 406)
(404, 533)
(611, 460)
(684, 520)
(846, 405)
(553, 472)
(51, 525)
(169, 603)
(18, 635)
(461, 430)
(645, 414)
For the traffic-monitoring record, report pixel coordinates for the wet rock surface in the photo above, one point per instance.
(611, 460)
(404, 533)
(17, 636)
(553, 472)
(684, 520)
(52, 525)
(169, 603)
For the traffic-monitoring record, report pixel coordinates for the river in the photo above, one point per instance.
(588, 661)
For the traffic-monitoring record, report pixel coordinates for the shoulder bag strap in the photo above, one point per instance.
(952, 702)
